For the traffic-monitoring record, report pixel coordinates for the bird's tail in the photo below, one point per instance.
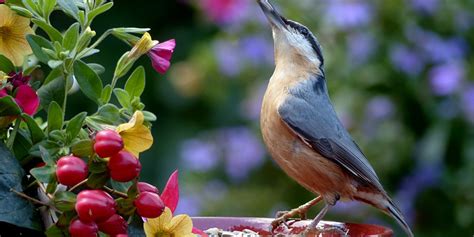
(395, 212)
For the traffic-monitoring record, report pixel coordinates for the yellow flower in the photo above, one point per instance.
(13, 31)
(142, 47)
(168, 226)
(136, 136)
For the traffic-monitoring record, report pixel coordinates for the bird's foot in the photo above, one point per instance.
(283, 216)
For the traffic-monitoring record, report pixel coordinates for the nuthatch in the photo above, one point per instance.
(303, 133)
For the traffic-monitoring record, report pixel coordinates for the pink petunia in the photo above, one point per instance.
(170, 194)
(160, 55)
(26, 98)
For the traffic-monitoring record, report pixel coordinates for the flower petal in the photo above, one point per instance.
(160, 55)
(27, 99)
(181, 225)
(13, 44)
(159, 224)
(136, 136)
(170, 195)
(3, 93)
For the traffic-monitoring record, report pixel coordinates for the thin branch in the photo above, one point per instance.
(29, 198)
(113, 191)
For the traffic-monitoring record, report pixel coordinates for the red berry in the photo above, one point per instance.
(124, 166)
(146, 187)
(94, 206)
(78, 228)
(71, 170)
(114, 225)
(121, 235)
(107, 143)
(149, 205)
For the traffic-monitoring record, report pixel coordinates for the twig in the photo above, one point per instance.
(78, 185)
(44, 190)
(113, 191)
(29, 198)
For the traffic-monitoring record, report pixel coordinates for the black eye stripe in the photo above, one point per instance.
(308, 35)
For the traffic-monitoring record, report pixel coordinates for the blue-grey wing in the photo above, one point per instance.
(308, 111)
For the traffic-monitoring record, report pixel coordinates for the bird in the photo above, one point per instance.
(303, 133)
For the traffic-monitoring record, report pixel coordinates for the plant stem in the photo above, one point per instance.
(11, 139)
(78, 185)
(113, 191)
(29, 198)
(114, 82)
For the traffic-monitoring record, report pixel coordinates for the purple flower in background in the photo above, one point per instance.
(225, 11)
(361, 46)
(464, 20)
(467, 103)
(189, 205)
(257, 49)
(434, 47)
(348, 14)
(379, 108)
(252, 105)
(228, 57)
(425, 6)
(243, 152)
(406, 60)
(446, 79)
(199, 155)
(424, 176)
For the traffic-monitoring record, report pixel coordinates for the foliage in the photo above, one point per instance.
(41, 138)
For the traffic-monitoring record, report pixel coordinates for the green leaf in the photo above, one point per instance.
(109, 113)
(6, 65)
(21, 11)
(31, 5)
(120, 186)
(55, 117)
(123, 97)
(71, 36)
(75, 124)
(99, 69)
(46, 156)
(37, 43)
(149, 116)
(70, 8)
(88, 81)
(21, 146)
(13, 208)
(97, 180)
(52, 185)
(43, 174)
(8, 106)
(54, 91)
(53, 74)
(54, 231)
(48, 7)
(82, 148)
(136, 82)
(125, 207)
(50, 146)
(106, 94)
(54, 63)
(35, 131)
(64, 201)
(94, 13)
(53, 34)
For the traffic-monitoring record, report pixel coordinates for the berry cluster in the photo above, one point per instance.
(96, 209)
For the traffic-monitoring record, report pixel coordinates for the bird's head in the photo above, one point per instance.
(294, 42)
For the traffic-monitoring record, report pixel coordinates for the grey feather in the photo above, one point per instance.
(308, 111)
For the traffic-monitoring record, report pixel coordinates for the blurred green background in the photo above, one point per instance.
(400, 74)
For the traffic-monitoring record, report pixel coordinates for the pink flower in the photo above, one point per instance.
(17, 79)
(2, 1)
(160, 55)
(25, 97)
(170, 197)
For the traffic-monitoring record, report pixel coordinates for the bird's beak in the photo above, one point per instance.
(275, 19)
